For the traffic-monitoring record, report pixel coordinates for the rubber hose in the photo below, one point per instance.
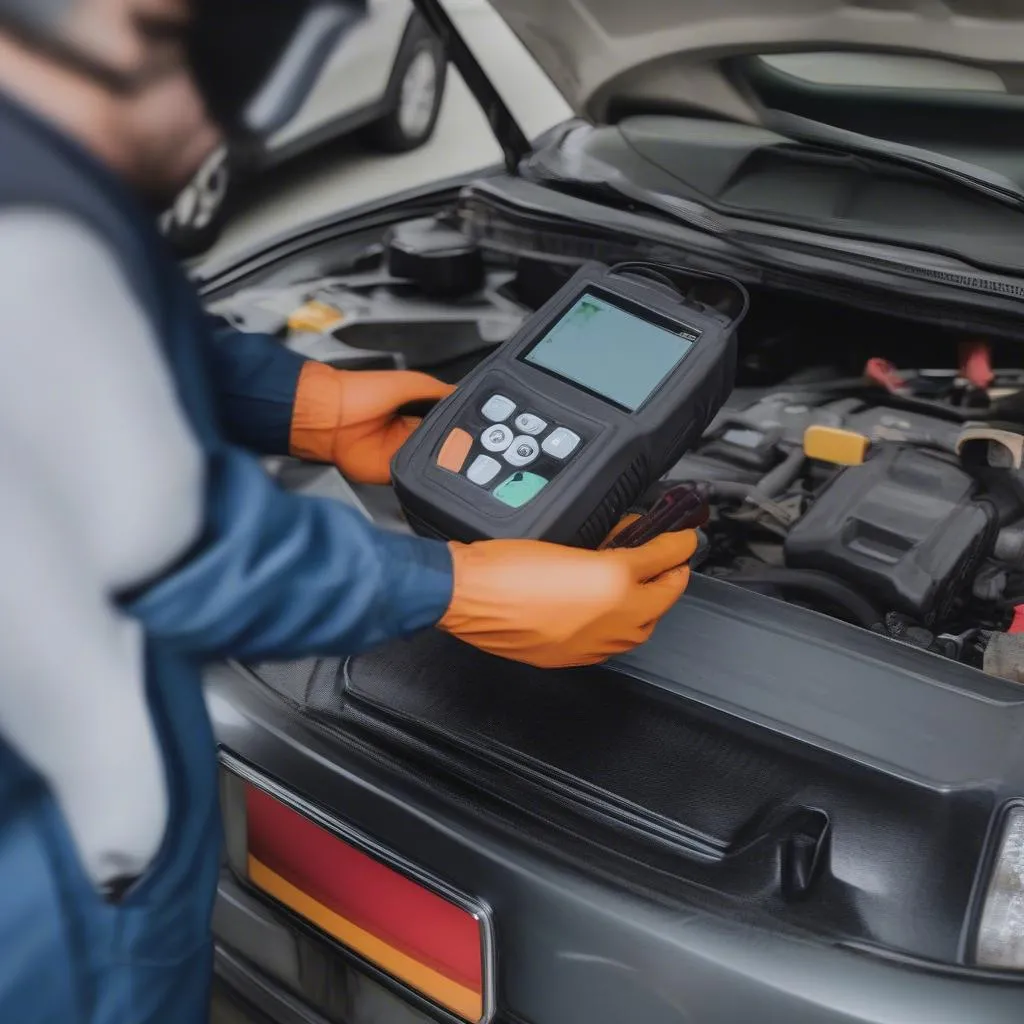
(782, 476)
(909, 403)
(820, 584)
(771, 484)
(731, 490)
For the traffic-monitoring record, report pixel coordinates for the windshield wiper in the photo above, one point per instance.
(937, 165)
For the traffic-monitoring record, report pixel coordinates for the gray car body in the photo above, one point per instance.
(578, 939)
(573, 946)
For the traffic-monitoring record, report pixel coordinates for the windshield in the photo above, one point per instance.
(970, 114)
(884, 71)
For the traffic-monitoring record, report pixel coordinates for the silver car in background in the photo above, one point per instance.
(386, 80)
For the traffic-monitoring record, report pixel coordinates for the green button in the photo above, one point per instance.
(520, 488)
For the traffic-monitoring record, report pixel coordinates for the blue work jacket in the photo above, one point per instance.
(273, 575)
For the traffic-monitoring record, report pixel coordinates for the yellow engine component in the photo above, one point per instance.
(831, 444)
(316, 317)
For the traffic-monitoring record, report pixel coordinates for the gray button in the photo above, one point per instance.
(498, 408)
(561, 443)
(523, 451)
(496, 438)
(483, 470)
(530, 424)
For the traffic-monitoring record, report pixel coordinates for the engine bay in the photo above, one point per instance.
(903, 543)
(865, 467)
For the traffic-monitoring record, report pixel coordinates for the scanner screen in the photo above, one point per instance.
(610, 352)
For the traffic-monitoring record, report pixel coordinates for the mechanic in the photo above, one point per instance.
(138, 536)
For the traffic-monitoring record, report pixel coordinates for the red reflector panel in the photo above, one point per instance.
(412, 933)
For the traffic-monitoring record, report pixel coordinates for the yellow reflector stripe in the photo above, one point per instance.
(463, 1001)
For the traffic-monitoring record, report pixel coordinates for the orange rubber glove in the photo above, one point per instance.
(350, 417)
(554, 606)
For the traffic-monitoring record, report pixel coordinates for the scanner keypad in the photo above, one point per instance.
(515, 453)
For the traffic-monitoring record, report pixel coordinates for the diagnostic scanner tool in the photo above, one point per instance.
(563, 427)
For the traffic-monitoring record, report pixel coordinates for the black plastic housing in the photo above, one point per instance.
(441, 260)
(621, 453)
(906, 528)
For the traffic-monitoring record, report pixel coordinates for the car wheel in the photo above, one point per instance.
(414, 93)
(196, 219)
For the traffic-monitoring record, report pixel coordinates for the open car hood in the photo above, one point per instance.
(661, 52)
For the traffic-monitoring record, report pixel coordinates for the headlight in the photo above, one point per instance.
(1001, 932)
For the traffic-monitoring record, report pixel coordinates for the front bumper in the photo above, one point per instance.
(571, 945)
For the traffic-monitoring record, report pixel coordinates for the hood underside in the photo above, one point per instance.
(667, 51)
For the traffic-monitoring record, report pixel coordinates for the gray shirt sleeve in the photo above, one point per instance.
(102, 489)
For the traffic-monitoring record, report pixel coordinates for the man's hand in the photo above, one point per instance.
(554, 606)
(351, 418)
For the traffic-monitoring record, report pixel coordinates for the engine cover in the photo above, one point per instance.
(905, 528)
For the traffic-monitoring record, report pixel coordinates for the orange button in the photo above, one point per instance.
(457, 445)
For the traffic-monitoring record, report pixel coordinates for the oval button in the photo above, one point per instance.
(530, 424)
(523, 451)
(496, 438)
